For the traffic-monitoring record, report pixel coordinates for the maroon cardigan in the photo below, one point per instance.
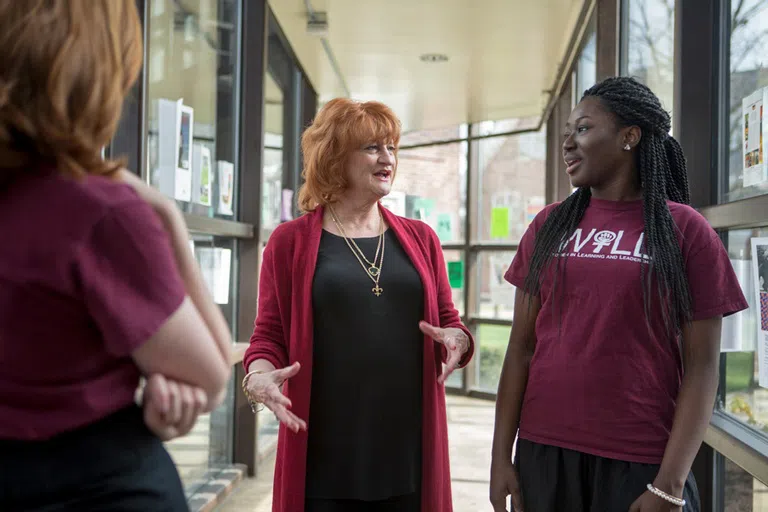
(283, 334)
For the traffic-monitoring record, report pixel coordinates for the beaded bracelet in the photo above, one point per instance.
(666, 497)
(253, 403)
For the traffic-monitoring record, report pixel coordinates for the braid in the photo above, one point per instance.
(662, 171)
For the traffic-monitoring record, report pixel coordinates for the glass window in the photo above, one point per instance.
(748, 78)
(511, 174)
(272, 176)
(417, 137)
(744, 399)
(268, 427)
(192, 90)
(504, 126)
(742, 492)
(456, 379)
(586, 68)
(489, 354)
(495, 296)
(431, 186)
(651, 46)
(209, 445)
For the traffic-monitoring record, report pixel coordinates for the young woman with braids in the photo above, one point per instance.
(611, 370)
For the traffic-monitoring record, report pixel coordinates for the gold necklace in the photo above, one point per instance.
(373, 270)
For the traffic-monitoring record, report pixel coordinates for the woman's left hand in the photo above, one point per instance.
(455, 341)
(649, 502)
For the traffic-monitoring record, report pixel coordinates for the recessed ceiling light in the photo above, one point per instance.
(434, 57)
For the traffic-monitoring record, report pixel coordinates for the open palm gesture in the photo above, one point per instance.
(456, 344)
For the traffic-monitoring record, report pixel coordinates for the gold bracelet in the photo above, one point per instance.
(251, 401)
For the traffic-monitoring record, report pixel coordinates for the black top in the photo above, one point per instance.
(365, 409)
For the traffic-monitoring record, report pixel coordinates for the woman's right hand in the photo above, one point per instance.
(505, 482)
(265, 389)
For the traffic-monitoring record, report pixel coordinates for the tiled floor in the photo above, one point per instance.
(470, 427)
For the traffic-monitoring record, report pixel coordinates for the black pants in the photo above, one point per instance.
(115, 464)
(407, 503)
(555, 480)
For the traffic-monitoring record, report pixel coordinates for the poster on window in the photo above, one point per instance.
(202, 175)
(226, 172)
(215, 265)
(174, 149)
(753, 127)
(760, 273)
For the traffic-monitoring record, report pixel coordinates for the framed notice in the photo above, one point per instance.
(202, 175)
(760, 277)
(215, 266)
(174, 149)
(226, 186)
(753, 129)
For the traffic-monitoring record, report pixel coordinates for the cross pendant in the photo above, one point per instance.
(377, 290)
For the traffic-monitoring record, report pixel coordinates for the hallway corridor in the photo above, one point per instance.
(470, 426)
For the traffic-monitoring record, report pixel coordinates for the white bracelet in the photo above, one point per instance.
(679, 502)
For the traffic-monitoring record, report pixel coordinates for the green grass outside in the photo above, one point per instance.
(739, 371)
(493, 335)
(491, 343)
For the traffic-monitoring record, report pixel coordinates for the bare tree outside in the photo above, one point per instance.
(651, 49)
(651, 60)
(749, 72)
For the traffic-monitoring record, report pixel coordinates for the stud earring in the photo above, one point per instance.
(627, 147)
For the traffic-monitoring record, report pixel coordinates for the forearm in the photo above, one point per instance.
(261, 365)
(509, 402)
(194, 283)
(692, 415)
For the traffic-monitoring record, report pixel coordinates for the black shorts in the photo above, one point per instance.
(115, 464)
(554, 479)
(407, 503)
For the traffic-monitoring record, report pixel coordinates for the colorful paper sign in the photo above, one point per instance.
(753, 131)
(444, 232)
(500, 222)
(456, 274)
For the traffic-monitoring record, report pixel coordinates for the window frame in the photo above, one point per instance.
(470, 248)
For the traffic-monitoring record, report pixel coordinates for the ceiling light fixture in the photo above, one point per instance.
(434, 57)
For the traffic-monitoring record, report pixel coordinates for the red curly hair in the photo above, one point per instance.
(341, 126)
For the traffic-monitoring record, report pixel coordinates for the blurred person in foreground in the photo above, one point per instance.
(97, 283)
(355, 321)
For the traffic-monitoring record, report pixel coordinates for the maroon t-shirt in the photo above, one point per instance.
(86, 276)
(600, 382)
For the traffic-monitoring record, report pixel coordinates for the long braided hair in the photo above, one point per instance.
(662, 171)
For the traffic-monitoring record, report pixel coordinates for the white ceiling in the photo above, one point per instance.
(503, 54)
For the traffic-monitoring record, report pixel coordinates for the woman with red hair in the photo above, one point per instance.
(355, 320)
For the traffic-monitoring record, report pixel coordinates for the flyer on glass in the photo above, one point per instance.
(755, 167)
(760, 273)
(215, 266)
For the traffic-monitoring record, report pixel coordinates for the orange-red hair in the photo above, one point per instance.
(341, 126)
(66, 68)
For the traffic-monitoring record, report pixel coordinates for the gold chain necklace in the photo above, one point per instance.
(373, 270)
